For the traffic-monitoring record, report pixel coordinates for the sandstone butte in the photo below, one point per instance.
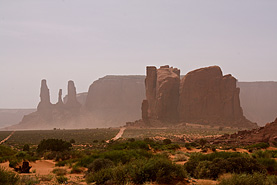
(203, 96)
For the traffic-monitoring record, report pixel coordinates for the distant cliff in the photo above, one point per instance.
(10, 117)
(259, 101)
(116, 99)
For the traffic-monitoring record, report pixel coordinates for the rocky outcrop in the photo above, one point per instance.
(60, 103)
(206, 96)
(44, 103)
(162, 93)
(72, 103)
(266, 134)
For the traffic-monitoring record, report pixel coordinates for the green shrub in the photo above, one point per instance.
(258, 146)
(72, 141)
(8, 177)
(269, 164)
(167, 141)
(59, 171)
(118, 145)
(26, 148)
(61, 163)
(99, 164)
(46, 178)
(249, 179)
(29, 180)
(61, 179)
(100, 177)
(157, 169)
(180, 157)
(13, 163)
(202, 142)
(214, 164)
(6, 153)
(265, 154)
(76, 169)
(53, 145)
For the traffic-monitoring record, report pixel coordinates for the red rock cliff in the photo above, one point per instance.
(206, 96)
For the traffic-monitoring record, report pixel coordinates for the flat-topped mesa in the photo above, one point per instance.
(162, 92)
(72, 102)
(44, 103)
(209, 97)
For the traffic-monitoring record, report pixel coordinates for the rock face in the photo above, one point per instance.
(114, 100)
(259, 101)
(208, 96)
(162, 93)
(144, 110)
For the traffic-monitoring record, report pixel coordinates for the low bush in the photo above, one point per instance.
(167, 141)
(99, 164)
(156, 169)
(249, 179)
(46, 178)
(76, 170)
(29, 180)
(61, 179)
(117, 156)
(53, 145)
(59, 171)
(8, 177)
(214, 164)
(258, 146)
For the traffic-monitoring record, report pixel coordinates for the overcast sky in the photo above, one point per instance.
(61, 40)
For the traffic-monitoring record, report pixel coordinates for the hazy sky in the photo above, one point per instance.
(83, 40)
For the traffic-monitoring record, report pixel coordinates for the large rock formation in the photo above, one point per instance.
(72, 103)
(162, 93)
(206, 96)
(44, 103)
